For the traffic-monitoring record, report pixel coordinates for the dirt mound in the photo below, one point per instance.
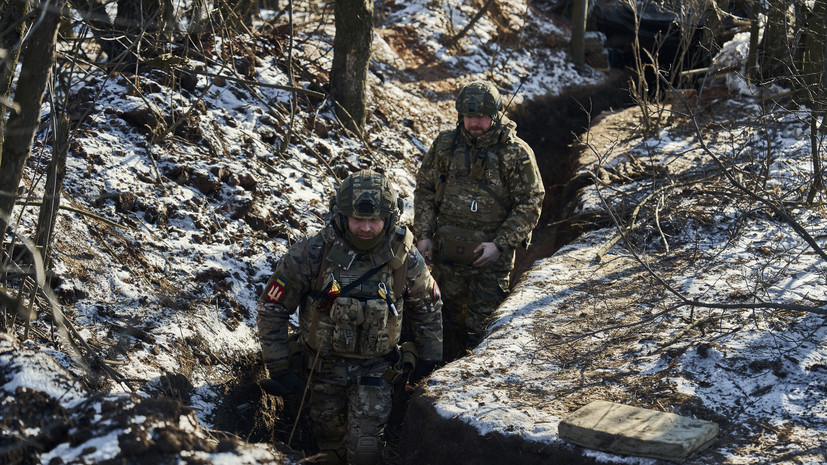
(58, 422)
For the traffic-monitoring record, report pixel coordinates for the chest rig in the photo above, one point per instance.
(356, 305)
(473, 195)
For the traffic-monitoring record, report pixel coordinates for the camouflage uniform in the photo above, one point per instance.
(350, 331)
(471, 190)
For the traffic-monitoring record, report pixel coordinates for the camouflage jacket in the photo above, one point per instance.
(340, 319)
(489, 184)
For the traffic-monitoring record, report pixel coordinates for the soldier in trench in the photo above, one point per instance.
(352, 283)
(478, 196)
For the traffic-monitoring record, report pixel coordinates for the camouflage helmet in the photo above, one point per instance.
(366, 194)
(479, 98)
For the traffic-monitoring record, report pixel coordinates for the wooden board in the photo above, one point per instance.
(627, 430)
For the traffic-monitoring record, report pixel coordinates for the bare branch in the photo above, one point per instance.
(781, 213)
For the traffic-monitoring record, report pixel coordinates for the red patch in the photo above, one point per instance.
(437, 294)
(275, 292)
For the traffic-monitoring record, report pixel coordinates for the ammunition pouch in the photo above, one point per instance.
(456, 245)
(478, 167)
(347, 314)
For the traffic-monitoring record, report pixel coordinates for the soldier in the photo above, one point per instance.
(478, 196)
(352, 283)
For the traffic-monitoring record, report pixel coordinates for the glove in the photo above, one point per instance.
(409, 356)
(283, 383)
(423, 369)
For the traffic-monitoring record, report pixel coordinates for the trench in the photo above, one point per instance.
(415, 433)
(551, 125)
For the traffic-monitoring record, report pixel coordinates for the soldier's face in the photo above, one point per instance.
(476, 125)
(365, 229)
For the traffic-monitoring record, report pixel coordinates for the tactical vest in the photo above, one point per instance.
(474, 196)
(355, 307)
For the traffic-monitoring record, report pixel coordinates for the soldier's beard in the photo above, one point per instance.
(363, 245)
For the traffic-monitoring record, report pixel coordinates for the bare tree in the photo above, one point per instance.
(814, 70)
(671, 50)
(775, 45)
(791, 55)
(37, 59)
(140, 27)
(11, 22)
(351, 56)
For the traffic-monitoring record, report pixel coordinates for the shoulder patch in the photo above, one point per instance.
(277, 289)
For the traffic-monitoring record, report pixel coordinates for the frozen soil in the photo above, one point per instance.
(197, 198)
(604, 328)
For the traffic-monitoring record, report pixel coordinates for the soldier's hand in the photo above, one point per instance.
(490, 254)
(426, 248)
(283, 383)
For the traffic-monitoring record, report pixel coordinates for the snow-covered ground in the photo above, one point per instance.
(713, 309)
(161, 282)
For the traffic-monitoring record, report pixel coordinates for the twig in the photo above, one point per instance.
(248, 82)
(695, 303)
(453, 40)
(774, 208)
(304, 396)
(633, 217)
(660, 229)
(283, 146)
(686, 330)
(84, 213)
(321, 159)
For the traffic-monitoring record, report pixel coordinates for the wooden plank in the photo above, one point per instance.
(623, 429)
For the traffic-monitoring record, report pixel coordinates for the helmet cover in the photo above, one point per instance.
(366, 194)
(479, 98)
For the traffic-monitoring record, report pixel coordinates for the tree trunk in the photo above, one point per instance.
(714, 26)
(814, 41)
(351, 56)
(774, 48)
(11, 15)
(148, 22)
(752, 57)
(48, 212)
(814, 67)
(37, 59)
(95, 16)
(578, 31)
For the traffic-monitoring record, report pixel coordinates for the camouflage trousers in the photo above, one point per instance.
(469, 297)
(349, 406)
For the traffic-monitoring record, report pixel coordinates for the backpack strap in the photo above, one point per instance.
(402, 242)
(399, 264)
(400, 275)
(322, 293)
(318, 283)
(443, 161)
